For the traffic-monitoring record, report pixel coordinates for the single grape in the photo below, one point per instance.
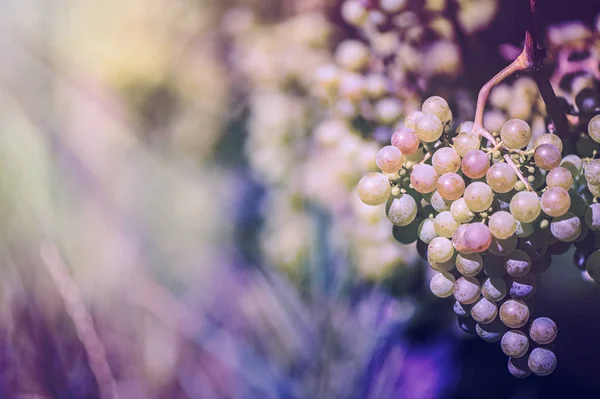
(445, 160)
(460, 211)
(494, 289)
(514, 313)
(478, 196)
(592, 172)
(549, 138)
(352, 89)
(437, 106)
(406, 140)
(401, 211)
(518, 263)
(475, 164)
(518, 367)
(594, 128)
(354, 13)
(523, 288)
(543, 330)
(461, 310)
(429, 128)
(501, 177)
(392, 6)
(503, 247)
(412, 119)
(445, 225)
(467, 290)
(502, 225)
(573, 163)
(555, 201)
(440, 250)
(407, 234)
(442, 267)
(442, 285)
(426, 231)
(484, 311)
(592, 217)
(547, 157)
(514, 344)
(542, 361)
(458, 240)
(477, 237)
(376, 85)
(352, 55)
(566, 227)
(593, 266)
(439, 203)
(464, 127)
(389, 159)
(374, 188)
(465, 142)
(525, 206)
(559, 177)
(515, 134)
(524, 229)
(451, 186)
(469, 265)
(491, 332)
(388, 110)
(424, 178)
(578, 204)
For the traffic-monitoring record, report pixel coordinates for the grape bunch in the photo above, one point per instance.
(488, 219)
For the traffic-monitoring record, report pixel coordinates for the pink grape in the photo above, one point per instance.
(477, 237)
(555, 201)
(451, 186)
(547, 157)
(501, 178)
(424, 178)
(475, 164)
(389, 159)
(406, 140)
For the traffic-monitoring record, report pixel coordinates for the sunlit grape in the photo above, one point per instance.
(389, 159)
(547, 157)
(502, 225)
(438, 202)
(406, 140)
(525, 206)
(484, 311)
(559, 177)
(440, 249)
(501, 177)
(451, 186)
(566, 228)
(437, 106)
(469, 265)
(518, 367)
(542, 361)
(445, 225)
(555, 201)
(514, 343)
(478, 196)
(374, 188)
(426, 231)
(442, 285)
(594, 128)
(466, 142)
(424, 178)
(494, 289)
(514, 313)
(475, 164)
(515, 133)
(518, 263)
(549, 138)
(592, 172)
(592, 217)
(477, 237)
(445, 160)
(401, 211)
(429, 128)
(411, 120)
(543, 330)
(467, 290)
(461, 212)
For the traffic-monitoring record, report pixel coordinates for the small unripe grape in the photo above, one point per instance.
(592, 172)
(426, 231)
(518, 367)
(475, 164)
(445, 225)
(542, 361)
(515, 134)
(477, 237)
(352, 55)
(406, 140)
(445, 160)
(478, 196)
(442, 285)
(559, 177)
(514, 344)
(424, 178)
(439, 203)
(592, 265)
(549, 138)
(502, 225)
(354, 13)
(514, 313)
(451, 186)
(467, 290)
(412, 119)
(484, 311)
(503, 247)
(466, 142)
(556, 201)
(374, 188)
(402, 211)
(525, 206)
(501, 177)
(469, 265)
(389, 159)
(547, 157)
(437, 106)
(494, 289)
(518, 263)
(429, 128)
(440, 250)
(543, 330)
(594, 128)
(461, 212)
(592, 217)
(523, 288)
(566, 228)
(573, 163)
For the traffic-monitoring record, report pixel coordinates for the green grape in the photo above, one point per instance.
(559, 177)
(467, 290)
(401, 211)
(438, 202)
(352, 55)
(426, 231)
(518, 367)
(469, 265)
(525, 206)
(352, 88)
(445, 225)
(437, 106)
(503, 247)
(461, 212)
(478, 196)
(594, 128)
(514, 343)
(450, 186)
(494, 289)
(442, 285)
(411, 120)
(547, 157)
(429, 128)
(445, 160)
(518, 263)
(374, 188)
(592, 172)
(442, 267)
(465, 142)
(424, 178)
(592, 266)
(542, 361)
(475, 164)
(502, 225)
(549, 138)
(491, 332)
(501, 177)
(573, 163)
(514, 313)
(566, 228)
(484, 311)
(515, 134)
(555, 201)
(543, 330)
(389, 159)
(440, 250)
(592, 217)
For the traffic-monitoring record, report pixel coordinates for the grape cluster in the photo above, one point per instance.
(488, 219)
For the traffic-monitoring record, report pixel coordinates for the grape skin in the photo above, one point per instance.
(429, 128)
(442, 267)
(515, 134)
(543, 331)
(426, 231)
(424, 178)
(502, 225)
(494, 289)
(518, 263)
(402, 210)
(478, 196)
(592, 217)
(514, 313)
(491, 332)
(594, 128)
(445, 225)
(514, 344)
(465, 142)
(437, 106)
(523, 288)
(592, 265)
(595, 190)
(440, 250)
(559, 177)
(467, 290)
(525, 206)
(438, 202)
(412, 119)
(518, 367)
(389, 159)
(542, 361)
(460, 211)
(592, 172)
(501, 177)
(445, 160)
(451, 186)
(555, 201)
(566, 228)
(442, 285)
(477, 237)
(374, 188)
(547, 157)
(484, 311)
(406, 140)
(549, 138)
(573, 163)
(469, 265)
(475, 164)
(458, 240)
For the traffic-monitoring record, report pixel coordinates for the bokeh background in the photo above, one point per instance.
(178, 216)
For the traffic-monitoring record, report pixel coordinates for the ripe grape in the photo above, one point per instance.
(549, 138)
(424, 178)
(478, 196)
(442, 285)
(494, 289)
(547, 157)
(464, 127)
(465, 142)
(440, 250)
(543, 330)
(442, 267)
(469, 265)
(402, 211)
(426, 231)
(501, 177)
(429, 128)
(451, 186)
(559, 177)
(475, 164)
(445, 225)
(438, 202)
(502, 225)
(518, 263)
(593, 266)
(518, 367)
(542, 361)
(525, 206)
(515, 134)
(555, 201)
(523, 288)
(594, 128)
(389, 159)
(491, 332)
(503, 247)
(467, 290)
(445, 160)
(411, 120)
(566, 227)
(573, 163)
(374, 188)
(460, 211)
(514, 313)
(484, 311)
(514, 343)
(437, 106)
(477, 237)
(592, 217)
(406, 140)
(458, 240)
(592, 172)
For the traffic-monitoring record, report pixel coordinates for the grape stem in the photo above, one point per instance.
(510, 162)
